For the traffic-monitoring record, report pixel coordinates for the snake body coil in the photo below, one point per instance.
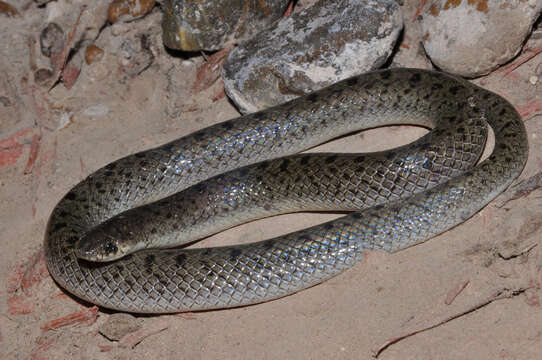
(411, 194)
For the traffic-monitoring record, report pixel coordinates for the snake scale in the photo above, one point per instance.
(409, 194)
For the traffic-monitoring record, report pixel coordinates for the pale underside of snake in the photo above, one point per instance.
(399, 198)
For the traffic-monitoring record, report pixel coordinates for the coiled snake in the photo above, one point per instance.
(411, 193)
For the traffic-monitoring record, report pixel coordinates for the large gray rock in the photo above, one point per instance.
(471, 38)
(324, 43)
(210, 24)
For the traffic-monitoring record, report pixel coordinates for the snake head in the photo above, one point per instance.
(107, 242)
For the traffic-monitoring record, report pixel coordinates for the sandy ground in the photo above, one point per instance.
(476, 288)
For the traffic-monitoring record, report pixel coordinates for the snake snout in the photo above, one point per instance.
(99, 246)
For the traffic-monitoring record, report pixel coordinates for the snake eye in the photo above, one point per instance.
(110, 248)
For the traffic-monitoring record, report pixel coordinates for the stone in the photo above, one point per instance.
(212, 24)
(471, 38)
(311, 49)
(119, 325)
(52, 39)
(128, 10)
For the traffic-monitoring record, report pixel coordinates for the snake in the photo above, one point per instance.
(111, 240)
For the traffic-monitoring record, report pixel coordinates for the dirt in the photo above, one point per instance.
(474, 290)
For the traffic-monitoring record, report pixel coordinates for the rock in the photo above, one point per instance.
(8, 9)
(313, 48)
(52, 39)
(128, 10)
(472, 38)
(42, 76)
(118, 325)
(211, 24)
(93, 54)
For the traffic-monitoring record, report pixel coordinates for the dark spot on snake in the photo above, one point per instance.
(235, 253)
(258, 115)
(71, 196)
(455, 89)
(108, 173)
(508, 160)
(385, 92)
(180, 259)
(313, 97)
(357, 215)
(59, 226)
(259, 178)
(227, 125)
(331, 159)
(117, 199)
(128, 174)
(461, 130)
(360, 169)
(436, 86)
(298, 179)
(149, 259)
(163, 169)
(352, 81)
(263, 165)
(284, 164)
(503, 111)
(207, 251)
(486, 96)
(385, 74)
(129, 282)
(199, 187)
(111, 166)
(140, 155)
(199, 136)
(407, 91)
(390, 155)
(243, 172)
(66, 258)
(395, 105)
(153, 231)
(175, 227)
(415, 78)
(110, 248)
(427, 164)
(169, 215)
(267, 245)
(115, 276)
(503, 146)
(328, 226)
(360, 158)
(304, 160)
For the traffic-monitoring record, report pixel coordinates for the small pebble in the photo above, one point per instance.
(96, 110)
(93, 54)
(7, 9)
(5, 101)
(127, 10)
(118, 325)
(41, 76)
(52, 39)
(533, 79)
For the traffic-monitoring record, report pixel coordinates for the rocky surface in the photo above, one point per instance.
(313, 48)
(211, 24)
(472, 38)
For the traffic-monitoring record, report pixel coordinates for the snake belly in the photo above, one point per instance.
(413, 192)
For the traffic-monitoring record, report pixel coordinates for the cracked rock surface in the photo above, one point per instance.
(320, 45)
